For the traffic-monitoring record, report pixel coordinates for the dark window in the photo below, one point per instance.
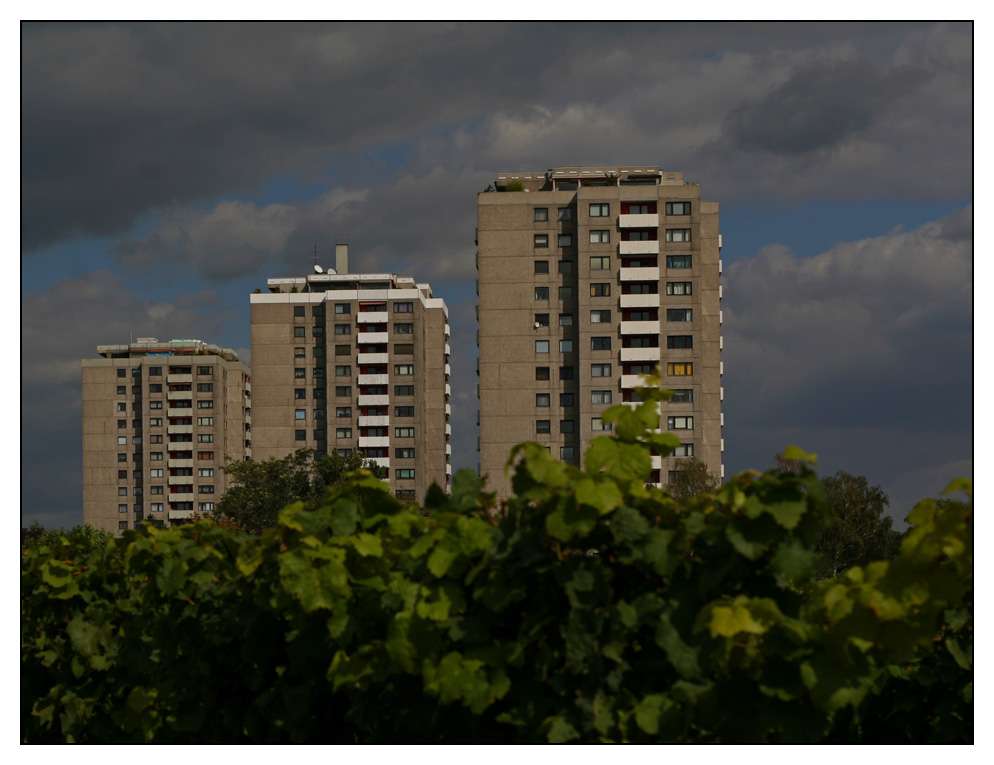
(541, 213)
(541, 373)
(543, 426)
(600, 343)
(541, 266)
(680, 341)
(298, 310)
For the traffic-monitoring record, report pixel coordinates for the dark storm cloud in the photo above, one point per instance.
(120, 120)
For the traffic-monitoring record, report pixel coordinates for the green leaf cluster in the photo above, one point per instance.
(588, 608)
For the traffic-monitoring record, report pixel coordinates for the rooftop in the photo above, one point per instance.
(150, 346)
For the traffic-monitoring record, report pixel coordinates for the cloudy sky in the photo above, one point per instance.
(170, 169)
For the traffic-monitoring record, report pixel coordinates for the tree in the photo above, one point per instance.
(37, 535)
(786, 466)
(693, 478)
(859, 531)
(260, 490)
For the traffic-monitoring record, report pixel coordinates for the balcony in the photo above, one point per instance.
(639, 274)
(184, 496)
(179, 480)
(368, 441)
(448, 390)
(639, 301)
(448, 429)
(383, 462)
(632, 381)
(179, 395)
(448, 370)
(375, 379)
(638, 248)
(648, 220)
(448, 450)
(179, 379)
(179, 463)
(448, 350)
(175, 515)
(374, 358)
(371, 421)
(657, 462)
(447, 331)
(640, 354)
(640, 327)
(179, 429)
(372, 317)
(374, 400)
(448, 469)
(379, 338)
(448, 410)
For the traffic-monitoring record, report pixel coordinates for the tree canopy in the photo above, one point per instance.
(692, 478)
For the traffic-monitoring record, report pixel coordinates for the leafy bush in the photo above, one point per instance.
(37, 535)
(591, 609)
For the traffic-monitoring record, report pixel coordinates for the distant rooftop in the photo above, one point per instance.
(150, 346)
(571, 177)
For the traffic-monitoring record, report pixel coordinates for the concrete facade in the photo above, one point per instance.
(159, 421)
(587, 278)
(354, 361)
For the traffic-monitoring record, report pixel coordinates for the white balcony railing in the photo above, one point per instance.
(374, 379)
(448, 370)
(374, 400)
(447, 331)
(640, 327)
(639, 248)
(373, 317)
(647, 220)
(639, 301)
(179, 463)
(378, 338)
(368, 441)
(179, 379)
(448, 429)
(448, 449)
(639, 274)
(178, 514)
(373, 358)
(632, 381)
(178, 480)
(181, 496)
(383, 462)
(448, 410)
(373, 421)
(179, 429)
(448, 350)
(640, 354)
(448, 390)
(179, 395)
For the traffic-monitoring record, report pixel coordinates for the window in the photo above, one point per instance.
(300, 414)
(600, 236)
(319, 392)
(299, 351)
(678, 261)
(122, 491)
(340, 391)
(638, 369)
(318, 436)
(600, 317)
(343, 329)
(405, 473)
(541, 213)
(205, 438)
(121, 372)
(403, 370)
(678, 235)
(567, 453)
(600, 370)
(599, 210)
(155, 490)
(121, 457)
(206, 507)
(403, 390)
(122, 475)
(678, 208)
(680, 422)
(565, 346)
(684, 450)
(565, 266)
(683, 396)
(566, 426)
(155, 507)
(541, 346)
(155, 388)
(317, 310)
(205, 405)
(600, 343)
(403, 349)
(122, 390)
(600, 397)
(300, 435)
(541, 320)
(566, 373)
(121, 424)
(403, 329)
(122, 407)
(319, 414)
(565, 399)
(122, 525)
(299, 373)
(543, 426)
(155, 456)
(565, 240)
(342, 370)
(541, 373)
(403, 432)
(343, 308)
(541, 266)
(205, 421)
(154, 371)
(541, 240)
(634, 209)
(641, 288)
(205, 472)
(565, 293)
(403, 307)
(343, 432)
(403, 411)
(565, 213)
(205, 489)
(679, 288)
(405, 453)
(542, 399)
(405, 495)
(600, 263)
(155, 422)
(600, 290)
(298, 310)
(679, 314)
(597, 424)
(343, 411)
(680, 341)
(680, 368)
(565, 320)
(300, 393)
(541, 293)
(300, 331)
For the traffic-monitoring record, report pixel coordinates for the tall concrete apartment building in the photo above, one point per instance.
(159, 421)
(588, 278)
(354, 361)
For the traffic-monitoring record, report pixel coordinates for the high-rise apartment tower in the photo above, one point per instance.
(354, 361)
(588, 278)
(159, 421)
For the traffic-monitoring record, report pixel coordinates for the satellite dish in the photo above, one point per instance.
(318, 269)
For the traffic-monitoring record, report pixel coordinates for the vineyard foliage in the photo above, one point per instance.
(590, 608)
